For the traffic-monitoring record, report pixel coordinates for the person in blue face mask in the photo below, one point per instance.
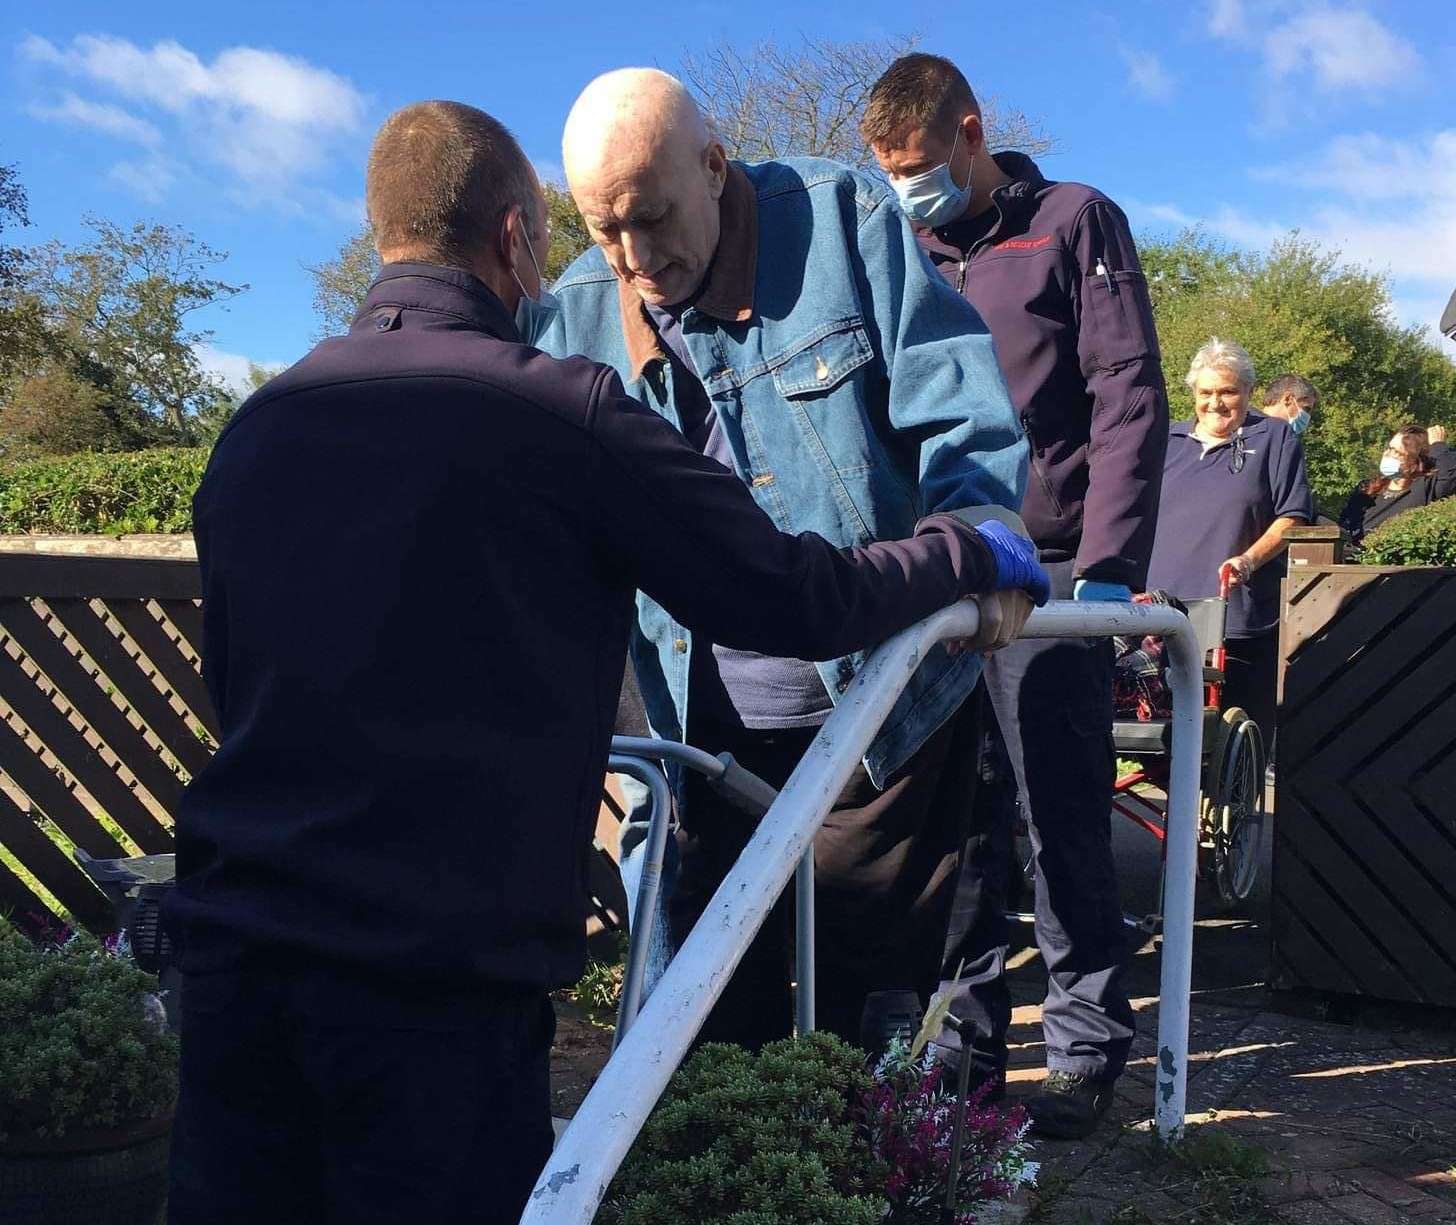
(1415, 470)
(1293, 399)
(1053, 270)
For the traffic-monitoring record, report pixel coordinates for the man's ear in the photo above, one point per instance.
(715, 163)
(973, 133)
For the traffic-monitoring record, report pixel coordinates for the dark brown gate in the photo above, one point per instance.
(104, 718)
(1364, 890)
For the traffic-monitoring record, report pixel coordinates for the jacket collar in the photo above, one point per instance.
(1255, 422)
(727, 293)
(443, 290)
(1014, 202)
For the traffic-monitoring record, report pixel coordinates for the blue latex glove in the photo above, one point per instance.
(1016, 563)
(1089, 590)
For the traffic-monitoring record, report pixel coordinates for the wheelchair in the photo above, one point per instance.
(1231, 814)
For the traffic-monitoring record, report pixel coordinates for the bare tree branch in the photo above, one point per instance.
(771, 101)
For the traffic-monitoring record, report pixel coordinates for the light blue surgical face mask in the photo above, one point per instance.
(932, 198)
(535, 316)
(1389, 465)
(1300, 422)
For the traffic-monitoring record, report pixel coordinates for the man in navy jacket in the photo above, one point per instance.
(419, 548)
(1052, 269)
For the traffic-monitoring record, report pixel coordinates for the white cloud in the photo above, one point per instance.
(1369, 168)
(1146, 75)
(100, 117)
(150, 179)
(1386, 204)
(272, 121)
(1340, 49)
(231, 369)
(1226, 19)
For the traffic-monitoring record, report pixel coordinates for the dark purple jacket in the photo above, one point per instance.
(1057, 281)
(419, 548)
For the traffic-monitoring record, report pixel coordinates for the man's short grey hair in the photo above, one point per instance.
(1223, 355)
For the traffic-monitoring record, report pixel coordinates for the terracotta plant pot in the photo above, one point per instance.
(100, 1176)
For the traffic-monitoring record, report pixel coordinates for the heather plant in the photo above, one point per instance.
(908, 1127)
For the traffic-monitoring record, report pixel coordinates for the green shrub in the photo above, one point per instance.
(753, 1140)
(1424, 537)
(112, 494)
(78, 1047)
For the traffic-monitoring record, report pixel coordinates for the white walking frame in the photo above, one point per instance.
(595, 1143)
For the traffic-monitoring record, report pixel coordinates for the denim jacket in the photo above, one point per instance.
(857, 391)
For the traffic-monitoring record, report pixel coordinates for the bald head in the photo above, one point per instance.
(647, 175)
(631, 114)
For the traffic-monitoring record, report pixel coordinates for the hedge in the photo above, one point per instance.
(108, 493)
(1424, 537)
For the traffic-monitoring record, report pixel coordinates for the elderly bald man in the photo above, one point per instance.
(782, 317)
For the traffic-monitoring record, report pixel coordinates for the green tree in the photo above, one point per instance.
(568, 231)
(116, 312)
(339, 284)
(57, 412)
(13, 212)
(1297, 308)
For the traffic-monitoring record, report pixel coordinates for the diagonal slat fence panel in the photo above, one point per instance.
(1364, 882)
(100, 704)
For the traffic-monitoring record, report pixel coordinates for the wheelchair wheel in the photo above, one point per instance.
(1233, 807)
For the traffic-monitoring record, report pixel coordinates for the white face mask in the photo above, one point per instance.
(1389, 465)
(534, 316)
(932, 198)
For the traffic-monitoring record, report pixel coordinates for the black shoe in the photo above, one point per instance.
(1068, 1105)
(982, 1073)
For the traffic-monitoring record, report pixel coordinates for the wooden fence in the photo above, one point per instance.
(104, 718)
(1364, 887)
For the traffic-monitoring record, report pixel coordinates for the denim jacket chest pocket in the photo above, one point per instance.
(821, 361)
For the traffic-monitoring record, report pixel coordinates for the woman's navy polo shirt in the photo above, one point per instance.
(1214, 507)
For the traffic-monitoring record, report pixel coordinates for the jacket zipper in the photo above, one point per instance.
(983, 241)
(1036, 466)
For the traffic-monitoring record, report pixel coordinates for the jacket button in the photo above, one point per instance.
(680, 645)
(821, 371)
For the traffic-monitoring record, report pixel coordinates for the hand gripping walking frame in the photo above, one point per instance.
(576, 1178)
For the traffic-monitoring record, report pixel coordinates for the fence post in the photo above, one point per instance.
(1316, 544)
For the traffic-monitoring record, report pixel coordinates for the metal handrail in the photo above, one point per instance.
(595, 1143)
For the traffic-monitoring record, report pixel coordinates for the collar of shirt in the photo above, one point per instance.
(1255, 426)
(444, 290)
(726, 294)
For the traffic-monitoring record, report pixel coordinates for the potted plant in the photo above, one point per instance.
(88, 1081)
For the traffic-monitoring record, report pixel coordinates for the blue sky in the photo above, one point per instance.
(249, 125)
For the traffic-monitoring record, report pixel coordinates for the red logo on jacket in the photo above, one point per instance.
(1025, 244)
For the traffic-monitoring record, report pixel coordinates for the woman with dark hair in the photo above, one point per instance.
(1412, 473)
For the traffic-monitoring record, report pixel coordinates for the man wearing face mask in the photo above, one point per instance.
(780, 315)
(1293, 399)
(419, 548)
(1052, 269)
